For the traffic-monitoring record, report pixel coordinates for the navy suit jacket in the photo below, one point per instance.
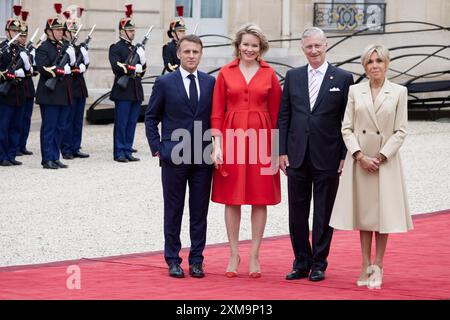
(169, 105)
(319, 129)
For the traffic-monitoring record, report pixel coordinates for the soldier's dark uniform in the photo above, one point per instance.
(127, 100)
(169, 52)
(30, 94)
(12, 99)
(73, 131)
(55, 104)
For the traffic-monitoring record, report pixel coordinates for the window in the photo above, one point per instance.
(212, 9)
(188, 6)
(5, 13)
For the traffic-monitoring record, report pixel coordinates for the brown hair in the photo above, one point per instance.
(253, 30)
(191, 38)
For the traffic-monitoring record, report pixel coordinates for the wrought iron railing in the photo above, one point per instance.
(350, 17)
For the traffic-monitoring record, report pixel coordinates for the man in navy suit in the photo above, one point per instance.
(181, 101)
(312, 151)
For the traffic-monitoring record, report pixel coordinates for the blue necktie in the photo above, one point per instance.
(193, 93)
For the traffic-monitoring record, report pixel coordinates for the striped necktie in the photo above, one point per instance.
(313, 88)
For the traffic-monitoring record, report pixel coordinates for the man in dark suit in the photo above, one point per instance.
(312, 151)
(181, 102)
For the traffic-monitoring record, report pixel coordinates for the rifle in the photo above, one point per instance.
(30, 43)
(9, 43)
(133, 58)
(5, 86)
(85, 44)
(51, 83)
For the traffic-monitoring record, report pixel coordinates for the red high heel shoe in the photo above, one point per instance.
(255, 275)
(233, 274)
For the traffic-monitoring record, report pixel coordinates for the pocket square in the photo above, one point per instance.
(335, 89)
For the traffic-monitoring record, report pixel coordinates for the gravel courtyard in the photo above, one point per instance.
(100, 208)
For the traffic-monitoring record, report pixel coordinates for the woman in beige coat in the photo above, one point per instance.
(372, 195)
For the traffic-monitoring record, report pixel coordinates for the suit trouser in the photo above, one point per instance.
(302, 183)
(10, 126)
(126, 115)
(26, 123)
(54, 118)
(174, 181)
(73, 131)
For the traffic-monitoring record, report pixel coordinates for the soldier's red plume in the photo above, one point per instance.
(66, 14)
(80, 12)
(58, 8)
(25, 15)
(180, 10)
(129, 12)
(17, 10)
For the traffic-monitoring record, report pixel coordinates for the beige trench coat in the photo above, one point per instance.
(374, 201)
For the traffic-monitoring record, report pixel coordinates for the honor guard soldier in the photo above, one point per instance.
(54, 93)
(30, 91)
(14, 64)
(72, 134)
(177, 30)
(127, 95)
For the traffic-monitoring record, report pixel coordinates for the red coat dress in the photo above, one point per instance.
(236, 105)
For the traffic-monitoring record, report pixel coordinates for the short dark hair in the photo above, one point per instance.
(191, 38)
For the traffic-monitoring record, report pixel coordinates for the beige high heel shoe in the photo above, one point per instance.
(376, 278)
(365, 283)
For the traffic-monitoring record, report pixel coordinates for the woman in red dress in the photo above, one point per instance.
(244, 115)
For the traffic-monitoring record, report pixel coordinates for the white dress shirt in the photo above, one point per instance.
(321, 71)
(187, 81)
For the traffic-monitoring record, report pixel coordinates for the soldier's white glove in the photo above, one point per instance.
(71, 52)
(82, 68)
(138, 68)
(141, 53)
(19, 73)
(26, 60)
(67, 69)
(85, 54)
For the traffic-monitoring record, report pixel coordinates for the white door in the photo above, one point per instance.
(211, 15)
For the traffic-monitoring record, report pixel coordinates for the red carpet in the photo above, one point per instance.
(417, 266)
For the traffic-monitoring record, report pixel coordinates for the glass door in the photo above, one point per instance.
(211, 16)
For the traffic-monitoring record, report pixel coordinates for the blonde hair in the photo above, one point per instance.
(253, 30)
(382, 51)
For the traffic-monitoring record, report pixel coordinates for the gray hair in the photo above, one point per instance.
(313, 31)
(382, 51)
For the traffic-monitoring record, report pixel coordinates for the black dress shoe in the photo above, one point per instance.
(60, 164)
(133, 159)
(81, 155)
(15, 162)
(297, 274)
(121, 159)
(19, 154)
(68, 157)
(5, 163)
(196, 271)
(134, 150)
(26, 152)
(317, 275)
(50, 165)
(175, 271)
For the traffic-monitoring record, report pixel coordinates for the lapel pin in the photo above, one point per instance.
(331, 77)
